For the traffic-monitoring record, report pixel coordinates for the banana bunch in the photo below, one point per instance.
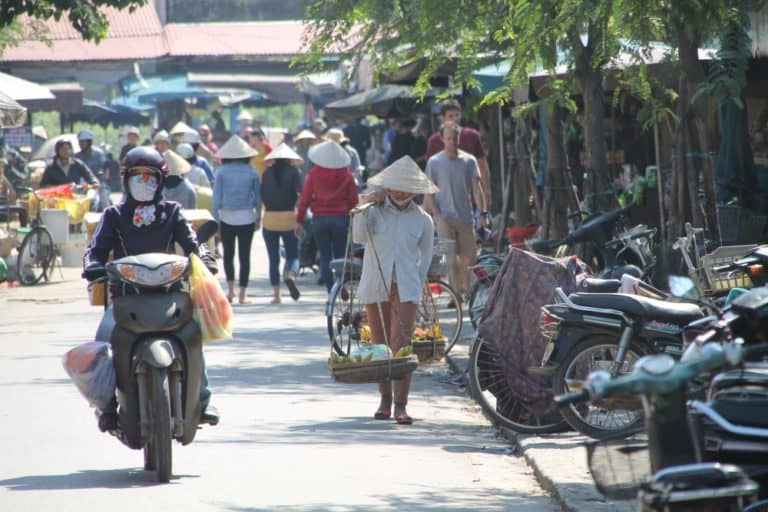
(337, 359)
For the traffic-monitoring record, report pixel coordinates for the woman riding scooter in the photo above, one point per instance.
(143, 222)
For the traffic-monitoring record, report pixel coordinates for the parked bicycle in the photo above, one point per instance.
(37, 254)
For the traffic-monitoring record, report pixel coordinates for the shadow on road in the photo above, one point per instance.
(87, 479)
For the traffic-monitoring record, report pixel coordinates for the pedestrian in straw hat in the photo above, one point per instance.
(237, 208)
(331, 192)
(280, 190)
(177, 188)
(304, 140)
(398, 238)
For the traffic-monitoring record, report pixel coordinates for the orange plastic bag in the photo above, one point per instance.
(212, 309)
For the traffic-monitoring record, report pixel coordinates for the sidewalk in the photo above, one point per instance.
(559, 461)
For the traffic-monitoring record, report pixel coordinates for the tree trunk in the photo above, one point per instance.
(688, 52)
(521, 175)
(591, 85)
(556, 188)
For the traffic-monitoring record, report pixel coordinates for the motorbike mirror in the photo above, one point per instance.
(682, 286)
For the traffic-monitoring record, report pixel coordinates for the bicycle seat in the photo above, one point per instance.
(594, 285)
(354, 268)
(650, 309)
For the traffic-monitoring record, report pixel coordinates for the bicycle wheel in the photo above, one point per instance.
(447, 308)
(344, 316)
(36, 256)
(612, 416)
(489, 386)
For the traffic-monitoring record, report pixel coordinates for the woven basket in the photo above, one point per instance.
(373, 371)
(429, 351)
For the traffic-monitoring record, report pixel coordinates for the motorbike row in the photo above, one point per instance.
(671, 386)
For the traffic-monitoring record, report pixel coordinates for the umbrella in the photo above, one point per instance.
(384, 101)
(47, 150)
(11, 112)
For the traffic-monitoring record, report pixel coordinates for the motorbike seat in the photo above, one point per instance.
(595, 285)
(740, 396)
(637, 306)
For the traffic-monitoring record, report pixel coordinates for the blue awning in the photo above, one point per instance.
(161, 88)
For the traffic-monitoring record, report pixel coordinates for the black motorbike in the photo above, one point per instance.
(609, 331)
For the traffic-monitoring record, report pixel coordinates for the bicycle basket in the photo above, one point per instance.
(724, 256)
(619, 464)
(442, 256)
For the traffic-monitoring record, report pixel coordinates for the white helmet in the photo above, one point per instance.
(186, 151)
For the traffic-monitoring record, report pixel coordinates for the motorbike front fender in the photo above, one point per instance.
(158, 353)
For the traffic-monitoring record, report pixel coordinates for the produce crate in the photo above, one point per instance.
(368, 372)
(723, 256)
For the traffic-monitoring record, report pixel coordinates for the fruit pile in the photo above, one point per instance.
(433, 332)
(370, 352)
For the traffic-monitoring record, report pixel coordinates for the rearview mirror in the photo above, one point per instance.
(682, 286)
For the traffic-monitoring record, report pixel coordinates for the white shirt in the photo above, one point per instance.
(196, 176)
(403, 243)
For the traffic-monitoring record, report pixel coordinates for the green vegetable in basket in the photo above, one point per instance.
(405, 351)
(336, 359)
(369, 357)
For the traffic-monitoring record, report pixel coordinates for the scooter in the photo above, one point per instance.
(157, 354)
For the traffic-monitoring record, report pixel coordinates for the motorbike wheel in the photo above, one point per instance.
(489, 387)
(478, 296)
(161, 419)
(614, 417)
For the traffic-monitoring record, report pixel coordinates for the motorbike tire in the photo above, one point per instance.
(572, 413)
(162, 435)
(478, 296)
(489, 388)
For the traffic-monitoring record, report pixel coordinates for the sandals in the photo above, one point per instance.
(402, 418)
(383, 413)
(290, 282)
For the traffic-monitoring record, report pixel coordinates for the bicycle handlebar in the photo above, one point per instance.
(572, 397)
(633, 236)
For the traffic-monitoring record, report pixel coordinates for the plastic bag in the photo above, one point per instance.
(212, 309)
(91, 368)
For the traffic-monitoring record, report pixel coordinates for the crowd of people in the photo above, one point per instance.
(401, 186)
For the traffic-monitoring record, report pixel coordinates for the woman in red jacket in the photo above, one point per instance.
(331, 192)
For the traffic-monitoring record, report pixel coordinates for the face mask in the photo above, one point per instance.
(143, 187)
(401, 202)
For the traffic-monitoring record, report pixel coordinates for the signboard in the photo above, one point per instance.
(18, 137)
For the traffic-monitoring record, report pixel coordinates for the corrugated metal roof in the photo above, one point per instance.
(247, 38)
(143, 21)
(131, 35)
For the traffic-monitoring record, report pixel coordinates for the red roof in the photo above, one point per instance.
(247, 38)
(131, 35)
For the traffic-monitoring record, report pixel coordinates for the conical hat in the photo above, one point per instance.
(283, 151)
(405, 175)
(236, 147)
(305, 134)
(180, 127)
(329, 154)
(176, 164)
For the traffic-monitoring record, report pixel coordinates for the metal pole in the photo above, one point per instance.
(659, 186)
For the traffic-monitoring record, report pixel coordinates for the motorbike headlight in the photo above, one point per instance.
(143, 276)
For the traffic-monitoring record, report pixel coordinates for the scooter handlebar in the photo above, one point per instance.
(572, 397)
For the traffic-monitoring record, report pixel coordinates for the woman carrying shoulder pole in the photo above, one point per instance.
(398, 236)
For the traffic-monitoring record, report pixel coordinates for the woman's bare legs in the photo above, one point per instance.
(378, 333)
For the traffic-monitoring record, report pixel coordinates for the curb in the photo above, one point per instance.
(573, 490)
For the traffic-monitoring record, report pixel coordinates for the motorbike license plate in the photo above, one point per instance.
(548, 352)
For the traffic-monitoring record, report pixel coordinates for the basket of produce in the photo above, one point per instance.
(372, 363)
(429, 344)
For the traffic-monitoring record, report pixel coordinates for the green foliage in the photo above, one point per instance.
(84, 15)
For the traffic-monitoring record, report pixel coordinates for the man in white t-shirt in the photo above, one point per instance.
(457, 175)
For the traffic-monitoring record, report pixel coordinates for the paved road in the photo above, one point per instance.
(290, 438)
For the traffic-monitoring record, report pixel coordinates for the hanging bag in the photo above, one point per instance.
(213, 312)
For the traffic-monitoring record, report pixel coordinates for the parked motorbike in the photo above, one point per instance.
(609, 331)
(729, 428)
